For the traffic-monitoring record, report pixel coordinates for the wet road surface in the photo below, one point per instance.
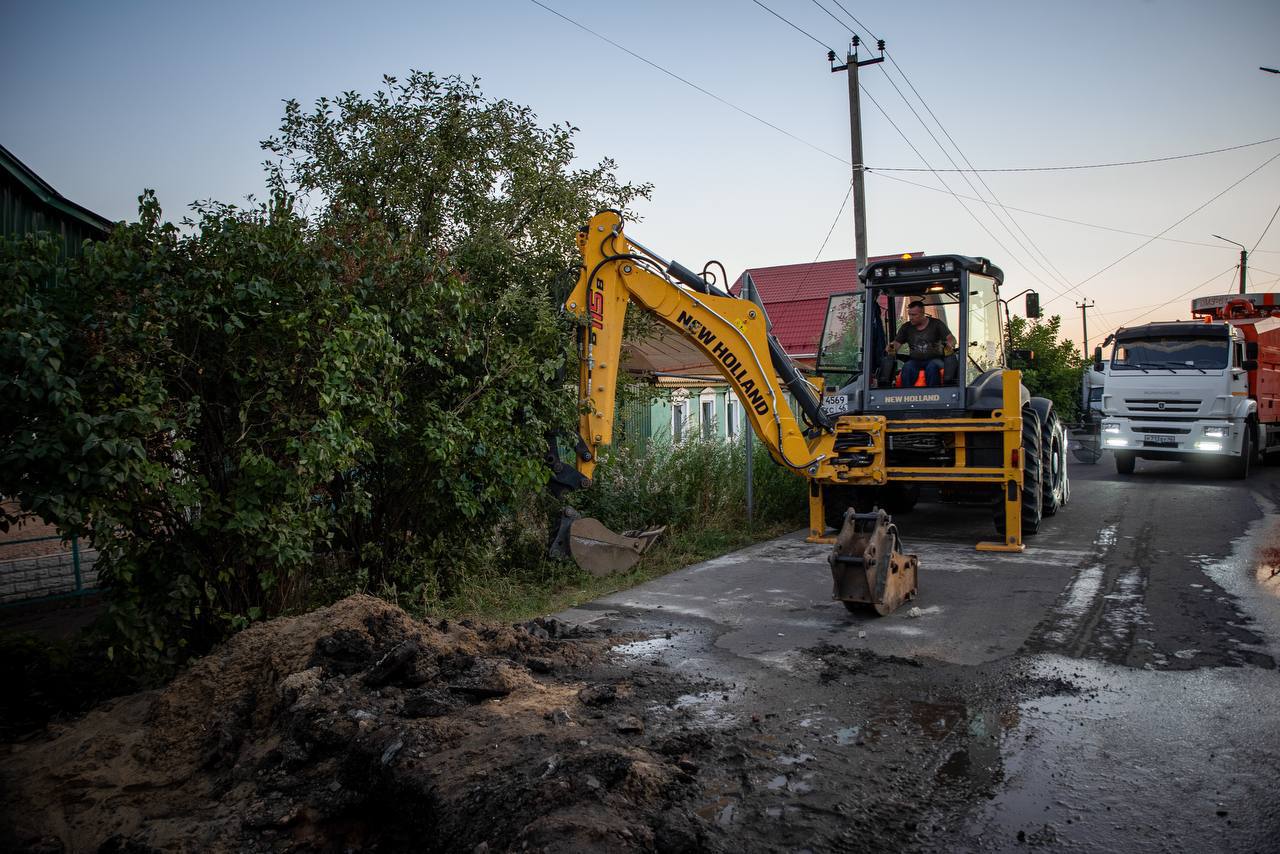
(1113, 688)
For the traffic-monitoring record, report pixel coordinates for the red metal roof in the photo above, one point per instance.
(795, 295)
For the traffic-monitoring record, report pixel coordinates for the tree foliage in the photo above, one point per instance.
(1055, 371)
(361, 369)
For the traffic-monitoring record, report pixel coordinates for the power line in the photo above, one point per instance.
(1268, 228)
(954, 195)
(690, 83)
(1089, 165)
(917, 151)
(833, 17)
(793, 26)
(864, 27)
(1062, 219)
(830, 231)
(844, 161)
(1051, 267)
(964, 176)
(1182, 295)
(1146, 243)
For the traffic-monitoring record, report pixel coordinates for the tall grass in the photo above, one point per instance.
(699, 483)
(697, 489)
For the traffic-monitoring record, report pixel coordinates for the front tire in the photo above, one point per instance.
(1125, 461)
(1238, 467)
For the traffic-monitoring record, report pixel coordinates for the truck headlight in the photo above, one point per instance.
(1208, 446)
(1216, 432)
(1110, 427)
(1117, 443)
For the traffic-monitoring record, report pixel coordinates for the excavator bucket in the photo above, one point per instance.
(597, 549)
(868, 566)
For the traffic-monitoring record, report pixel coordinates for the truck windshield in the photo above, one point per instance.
(840, 351)
(1171, 352)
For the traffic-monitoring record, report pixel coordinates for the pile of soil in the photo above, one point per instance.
(357, 728)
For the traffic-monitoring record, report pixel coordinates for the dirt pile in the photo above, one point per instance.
(355, 727)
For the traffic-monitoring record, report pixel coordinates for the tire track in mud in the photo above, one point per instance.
(1143, 599)
(1068, 627)
(1120, 609)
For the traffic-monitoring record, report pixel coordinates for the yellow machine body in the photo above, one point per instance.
(733, 333)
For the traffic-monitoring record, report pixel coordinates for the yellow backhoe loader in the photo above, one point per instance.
(867, 446)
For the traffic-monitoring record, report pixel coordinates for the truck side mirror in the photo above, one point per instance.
(1033, 305)
(1097, 359)
(1022, 354)
(1249, 364)
(1251, 351)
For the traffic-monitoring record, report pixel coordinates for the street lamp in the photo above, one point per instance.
(1272, 70)
(1244, 257)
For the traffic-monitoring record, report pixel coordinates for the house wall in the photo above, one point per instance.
(660, 413)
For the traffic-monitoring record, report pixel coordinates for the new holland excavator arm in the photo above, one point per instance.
(734, 335)
(731, 332)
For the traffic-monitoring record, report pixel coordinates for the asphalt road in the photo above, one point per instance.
(1113, 688)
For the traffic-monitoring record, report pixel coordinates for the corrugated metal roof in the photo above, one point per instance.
(798, 324)
(28, 204)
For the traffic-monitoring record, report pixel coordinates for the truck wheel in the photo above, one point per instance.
(1032, 481)
(1238, 467)
(1053, 446)
(1270, 456)
(1125, 461)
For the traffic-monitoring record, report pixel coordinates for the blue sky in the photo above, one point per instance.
(103, 100)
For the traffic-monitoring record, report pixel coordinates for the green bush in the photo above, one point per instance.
(701, 482)
(348, 387)
(1055, 371)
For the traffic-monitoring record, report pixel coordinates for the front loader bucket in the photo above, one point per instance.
(597, 549)
(868, 566)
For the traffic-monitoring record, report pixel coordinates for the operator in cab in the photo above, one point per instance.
(928, 340)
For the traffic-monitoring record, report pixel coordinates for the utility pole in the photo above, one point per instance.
(1084, 323)
(851, 65)
(1244, 259)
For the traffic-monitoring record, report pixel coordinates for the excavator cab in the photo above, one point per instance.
(959, 292)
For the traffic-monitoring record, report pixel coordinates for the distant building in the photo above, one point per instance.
(35, 561)
(28, 204)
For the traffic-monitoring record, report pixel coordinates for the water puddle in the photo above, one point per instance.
(1249, 574)
(798, 759)
(651, 648)
(707, 709)
(1099, 768)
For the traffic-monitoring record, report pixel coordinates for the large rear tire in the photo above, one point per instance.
(1032, 480)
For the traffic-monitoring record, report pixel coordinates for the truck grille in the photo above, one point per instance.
(1167, 405)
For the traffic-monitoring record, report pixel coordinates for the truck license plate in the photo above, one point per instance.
(834, 404)
(1157, 439)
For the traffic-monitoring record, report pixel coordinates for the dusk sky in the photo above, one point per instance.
(105, 99)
